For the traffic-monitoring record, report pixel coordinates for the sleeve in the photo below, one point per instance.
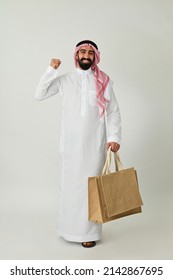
(113, 116)
(48, 85)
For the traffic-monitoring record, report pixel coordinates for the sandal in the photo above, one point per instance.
(89, 244)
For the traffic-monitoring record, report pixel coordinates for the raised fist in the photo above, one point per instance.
(55, 63)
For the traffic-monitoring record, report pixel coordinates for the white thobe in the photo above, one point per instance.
(82, 149)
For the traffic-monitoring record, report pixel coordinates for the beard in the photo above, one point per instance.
(85, 65)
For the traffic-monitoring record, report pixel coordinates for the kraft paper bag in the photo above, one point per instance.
(113, 195)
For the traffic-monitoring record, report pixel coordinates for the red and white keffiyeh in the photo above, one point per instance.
(101, 78)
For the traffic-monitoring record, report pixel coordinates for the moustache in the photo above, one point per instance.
(88, 59)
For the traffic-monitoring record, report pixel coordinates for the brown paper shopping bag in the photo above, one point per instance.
(113, 195)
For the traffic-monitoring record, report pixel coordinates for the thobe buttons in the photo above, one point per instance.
(83, 96)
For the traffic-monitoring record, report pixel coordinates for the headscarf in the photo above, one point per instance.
(101, 78)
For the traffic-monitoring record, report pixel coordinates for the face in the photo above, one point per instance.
(86, 57)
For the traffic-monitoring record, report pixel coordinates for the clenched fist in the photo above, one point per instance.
(55, 63)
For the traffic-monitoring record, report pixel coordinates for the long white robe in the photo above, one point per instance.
(82, 146)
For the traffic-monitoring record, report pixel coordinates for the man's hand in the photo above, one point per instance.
(55, 63)
(114, 146)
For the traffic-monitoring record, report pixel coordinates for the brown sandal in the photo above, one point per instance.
(89, 244)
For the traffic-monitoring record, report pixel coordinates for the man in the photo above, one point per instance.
(90, 123)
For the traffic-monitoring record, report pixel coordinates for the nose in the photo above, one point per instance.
(86, 55)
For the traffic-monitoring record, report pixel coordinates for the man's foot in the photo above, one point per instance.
(88, 244)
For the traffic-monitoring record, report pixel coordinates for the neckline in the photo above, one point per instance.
(84, 72)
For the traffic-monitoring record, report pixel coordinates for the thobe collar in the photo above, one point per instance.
(84, 72)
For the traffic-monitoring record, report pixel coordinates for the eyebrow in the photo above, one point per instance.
(85, 50)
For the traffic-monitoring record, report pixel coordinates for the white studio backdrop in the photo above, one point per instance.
(135, 40)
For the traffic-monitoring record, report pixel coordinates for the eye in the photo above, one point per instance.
(82, 51)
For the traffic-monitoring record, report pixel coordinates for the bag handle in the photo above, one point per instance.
(118, 163)
(107, 164)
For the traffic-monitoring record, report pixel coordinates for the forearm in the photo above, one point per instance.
(114, 126)
(48, 84)
(113, 120)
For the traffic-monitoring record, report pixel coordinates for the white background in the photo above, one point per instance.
(135, 40)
